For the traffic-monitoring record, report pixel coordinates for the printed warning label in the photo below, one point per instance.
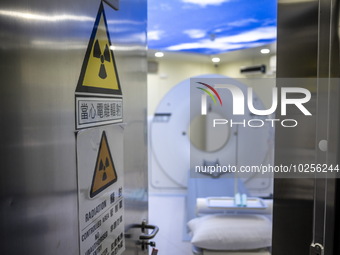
(100, 190)
(94, 111)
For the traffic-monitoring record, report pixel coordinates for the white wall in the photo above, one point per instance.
(262, 89)
(232, 69)
(171, 72)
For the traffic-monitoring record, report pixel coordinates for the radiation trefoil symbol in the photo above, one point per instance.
(102, 167)
(103, 56)
(105, 172)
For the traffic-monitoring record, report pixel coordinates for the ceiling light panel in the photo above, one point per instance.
(210, 26)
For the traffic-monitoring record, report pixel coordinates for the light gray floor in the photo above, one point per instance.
(167, 212)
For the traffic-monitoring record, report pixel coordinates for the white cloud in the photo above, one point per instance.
(260, 33)
(155, 35)
(204, 3)
(269, 22)
(242, 22)
(226, 43)
(194, 33)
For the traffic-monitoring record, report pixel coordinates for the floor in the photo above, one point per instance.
(167, 212)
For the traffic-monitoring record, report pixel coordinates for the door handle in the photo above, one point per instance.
(154, 232)
(144, 236)
(143, 226)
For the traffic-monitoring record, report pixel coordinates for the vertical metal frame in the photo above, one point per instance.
(327, 125)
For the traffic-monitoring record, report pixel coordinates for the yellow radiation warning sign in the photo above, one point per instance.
(104, 173)
(98, 95)
(99, 72)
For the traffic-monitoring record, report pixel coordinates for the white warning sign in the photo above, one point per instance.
(100, 190)
(98, 111)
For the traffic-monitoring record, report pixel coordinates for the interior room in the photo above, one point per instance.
(207, 51)
(167, 192)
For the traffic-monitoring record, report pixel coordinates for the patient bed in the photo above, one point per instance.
(224, 229)
(198, 251)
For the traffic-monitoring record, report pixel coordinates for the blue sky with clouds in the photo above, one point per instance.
(210, 26)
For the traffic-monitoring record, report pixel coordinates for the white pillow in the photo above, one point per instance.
(231, 232)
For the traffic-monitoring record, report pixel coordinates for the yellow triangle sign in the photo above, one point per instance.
(104, 172)
(99, 72)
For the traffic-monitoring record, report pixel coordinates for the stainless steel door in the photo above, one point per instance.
(42, 48)
(304, 209)
(293, 198)
(327, 128)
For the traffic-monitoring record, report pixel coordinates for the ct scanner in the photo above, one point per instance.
(180, 140)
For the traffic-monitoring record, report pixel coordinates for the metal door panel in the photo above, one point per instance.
(308, 47)
(293, 198)
(42, 47)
